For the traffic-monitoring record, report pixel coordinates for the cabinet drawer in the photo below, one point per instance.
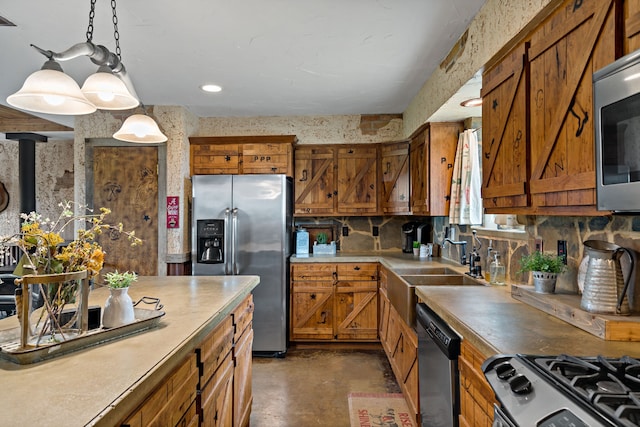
(242, 317)
(266, 158)
(313, 271)
(215, 347)
(353, 271)
(215, 159)
(169, 403)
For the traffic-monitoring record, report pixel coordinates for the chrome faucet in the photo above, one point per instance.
(463, 249)
(475, 262)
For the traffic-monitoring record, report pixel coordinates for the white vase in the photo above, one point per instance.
(118, 309)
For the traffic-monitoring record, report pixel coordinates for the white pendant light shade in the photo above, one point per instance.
(51, 91)
(140, 128)
(107, 92)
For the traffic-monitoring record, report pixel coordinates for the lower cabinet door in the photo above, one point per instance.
(217, 397)
(242, 393)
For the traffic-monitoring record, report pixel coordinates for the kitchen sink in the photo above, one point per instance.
(401, 287)
(439, 279)
(424, 270)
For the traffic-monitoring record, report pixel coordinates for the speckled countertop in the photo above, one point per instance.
(101, 385)
(489, 317)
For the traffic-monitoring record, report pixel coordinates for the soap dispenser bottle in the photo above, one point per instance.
(487, 270)
(497, 271)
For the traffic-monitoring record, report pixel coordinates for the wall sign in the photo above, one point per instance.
(173, 212)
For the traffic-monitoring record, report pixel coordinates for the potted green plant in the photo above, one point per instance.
(416, 248)
(545, 268)
(116, 280)
(322, 238)
(118, 309)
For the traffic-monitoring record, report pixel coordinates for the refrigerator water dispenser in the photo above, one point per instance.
(210, 236)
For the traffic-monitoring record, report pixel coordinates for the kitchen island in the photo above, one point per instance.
(102, 385)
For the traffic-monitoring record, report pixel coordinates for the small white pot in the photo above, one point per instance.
(118, 309)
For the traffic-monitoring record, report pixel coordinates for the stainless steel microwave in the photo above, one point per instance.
(616, 100)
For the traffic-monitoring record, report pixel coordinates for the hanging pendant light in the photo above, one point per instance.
(110, 88)
(140, 128)
(49, 90)
(108, 92)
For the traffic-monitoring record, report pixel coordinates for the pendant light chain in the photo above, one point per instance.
(92, 14)
(116, 34)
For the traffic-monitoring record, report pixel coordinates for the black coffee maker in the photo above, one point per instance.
(409, 235)
(415, 231)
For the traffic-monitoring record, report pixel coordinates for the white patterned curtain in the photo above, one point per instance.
(466, 201)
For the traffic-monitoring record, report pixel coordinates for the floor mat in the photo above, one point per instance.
(379, 410)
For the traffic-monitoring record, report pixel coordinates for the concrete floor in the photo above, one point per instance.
(309, 387)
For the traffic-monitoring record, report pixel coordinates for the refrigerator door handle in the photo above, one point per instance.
(227, 242)
(234, 243)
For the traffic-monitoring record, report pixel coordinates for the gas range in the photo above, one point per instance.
(545, 391)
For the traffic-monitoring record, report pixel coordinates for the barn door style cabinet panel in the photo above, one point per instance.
(336, 180)
(548, 164)
(334, 302)
(631, 26)
(433, 151)
(234, 155)
(505, 166)
(395, 179)
(400, 343)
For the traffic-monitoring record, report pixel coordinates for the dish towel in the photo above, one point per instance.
(466, 199)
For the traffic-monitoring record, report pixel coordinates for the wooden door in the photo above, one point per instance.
(442, 145)
(314, 181)
(505, 133)
(576, 40)
(312, 310)
(357, 180)
(419, 158)
(395, 178)
(312, 290)
(125, 180)
(356, 311)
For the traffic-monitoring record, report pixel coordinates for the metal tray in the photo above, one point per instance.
(10, 338)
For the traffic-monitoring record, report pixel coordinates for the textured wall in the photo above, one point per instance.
(54, 181)
(308, 129)
(497, 22)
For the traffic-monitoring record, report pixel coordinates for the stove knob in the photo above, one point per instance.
(505, 370)
(520, 384)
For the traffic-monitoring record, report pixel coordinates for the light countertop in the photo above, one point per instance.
(489, 317)
(101, 385)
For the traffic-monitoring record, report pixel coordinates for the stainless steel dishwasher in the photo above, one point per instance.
(438, 350)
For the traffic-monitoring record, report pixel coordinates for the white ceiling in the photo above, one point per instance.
(272, 57)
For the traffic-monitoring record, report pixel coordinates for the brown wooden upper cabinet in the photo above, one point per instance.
(271, 154)
(395, 188)
(336, 180)
(433, 150)
(537, 113)
(631, 26)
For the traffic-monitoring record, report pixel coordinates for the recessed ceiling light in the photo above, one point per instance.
(473, 102)
(211, 88)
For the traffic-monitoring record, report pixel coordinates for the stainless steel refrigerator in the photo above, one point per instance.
(242, 225)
